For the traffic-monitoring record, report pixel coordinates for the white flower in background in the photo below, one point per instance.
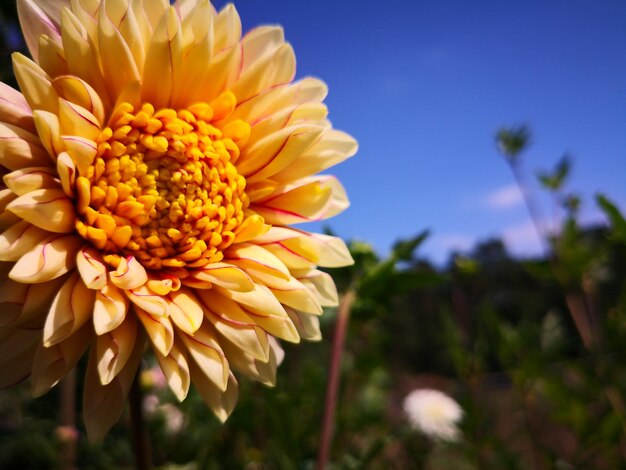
(433, 413)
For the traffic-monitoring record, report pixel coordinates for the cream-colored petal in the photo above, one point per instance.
(308, 326)
(333, 251)
(71, 308)
(39, 17)
(35, 84)
(295, 248)
(235, 324)
(259, 301)
(79, 92)
(163, 66)
(20, 148)
(30, 179)
(296, 295)
(185, 311)
(81, 150)
(52, 363)
(159, 329)
(123, 16)
(224, 275)
(49, 209)
(148, 300)
(14, 109)
(49, 132)
(227, 28)
(176, 369)
(306, 113)
(18, 239)
(130, 274)
(110, 309)
(103, 404)
(322, 285)
(51, 258)
(256, 261)
(221, 402)
(114, 349)
(207, 355)
(92, 269)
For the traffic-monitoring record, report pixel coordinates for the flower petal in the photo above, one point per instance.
(81, 150)
(39, 17)
(14, 109)
(76, 120)
(221, 402)
(35, 84)
(130, 274)
(18, 239)
(17, 349)
(20, 148)
(71, 308)
(30, 179)
(48, 260)
(224, 275)
(176, 369)
(114, 348)
(207, 354)
(159, 329)
(308, 326)
(79, 92)
(149, 301)
(185, 311)
(49, 209)
(110, 309)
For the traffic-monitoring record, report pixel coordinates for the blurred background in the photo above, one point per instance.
(490, 247)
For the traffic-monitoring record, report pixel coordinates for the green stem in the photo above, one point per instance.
(141, 445)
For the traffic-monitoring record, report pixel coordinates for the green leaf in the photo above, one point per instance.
(554, 181)
(618, 222)
(403, 249)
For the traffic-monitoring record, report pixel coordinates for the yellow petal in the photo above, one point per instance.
(66, 169)
(295, 248)
(51, 56)
(110, 309)
(35, 84)
(49, 132)
(80, 93)
(252, 227)
(257, 261)
(308, 326)
(176, 370)
(18, 239)
(322, 285)
(207, 354)
(14, 109)
(21, 149)
(294, 294)
(76, 120)
(114, 348)
(259, 301)
(49, 209)
(81, 150)
(32, 178)
(185, 311)
(103, 404)
(159, 329)
(71, 308)
(48, 260)
(163, 65)
(333, 251)
(130, 274)
(52, 363)
(221, 402)
(92, 269)
(224, 275)
(149, 301)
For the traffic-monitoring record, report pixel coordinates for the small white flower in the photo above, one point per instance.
(434, 413)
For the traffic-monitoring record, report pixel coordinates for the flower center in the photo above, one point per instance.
(162, 188)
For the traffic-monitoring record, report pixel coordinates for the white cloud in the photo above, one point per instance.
(505, 197)
(522, 239)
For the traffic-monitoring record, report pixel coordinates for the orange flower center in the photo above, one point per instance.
(163, 188)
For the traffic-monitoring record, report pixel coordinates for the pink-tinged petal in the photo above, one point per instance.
(71, 308)
(81, 150)
(176, 369)
(295, 248)
(79, 92)
(308, 326)
(49, 132)
(19, 239)
(127, 18)
(308, 199)
(49, 209)
(14, 109)
(275, 152)
(130, 274)
(257, 261)
(296, 295)
(30, 179)
(20, 148)
(259, 301)
(50, 259)
(230, 320)
(159, 329)
(146, 299)
(118, 64)
(103, 404)
(207, 354)
(224, 275)
(221, 402)
(110, 309)
(76, 120)
(81, 52)
(322, 285)
(92, 269)
(113, 349)
(52, 363)
(332, 148)
(185, 311)
(163, 66)
(39, 17)
(17, 350)
(35, 84)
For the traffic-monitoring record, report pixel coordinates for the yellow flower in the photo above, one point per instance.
(151, 169)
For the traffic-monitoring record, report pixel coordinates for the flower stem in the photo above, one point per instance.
(141, 445)
(68, 421)
(343, 315)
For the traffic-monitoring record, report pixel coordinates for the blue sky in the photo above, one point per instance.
(424, 85)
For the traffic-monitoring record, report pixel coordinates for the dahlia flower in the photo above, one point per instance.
(153, 164)
(433, 413)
